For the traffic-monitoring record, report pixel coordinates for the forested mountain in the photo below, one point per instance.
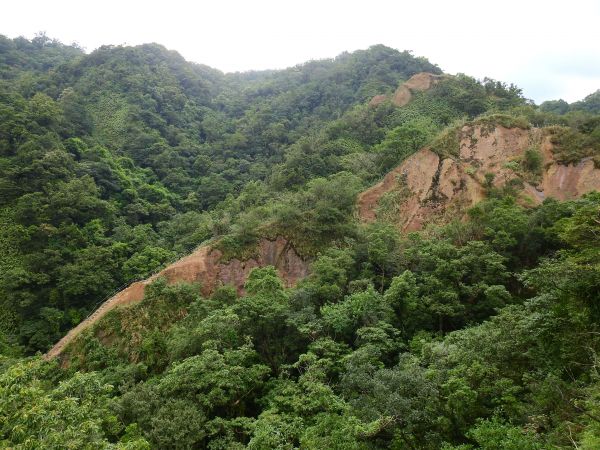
(479, 330)
(109, 159)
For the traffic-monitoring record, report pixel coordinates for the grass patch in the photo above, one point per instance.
(491, 121)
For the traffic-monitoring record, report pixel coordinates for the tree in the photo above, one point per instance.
(403, 141)
(73, 414)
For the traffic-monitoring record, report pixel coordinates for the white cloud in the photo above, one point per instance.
(528, 43)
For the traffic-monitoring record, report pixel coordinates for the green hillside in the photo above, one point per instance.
(478, 333)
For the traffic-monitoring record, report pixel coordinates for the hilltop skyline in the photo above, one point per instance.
(549, 52)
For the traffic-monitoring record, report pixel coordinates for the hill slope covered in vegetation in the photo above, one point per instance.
(478, 331)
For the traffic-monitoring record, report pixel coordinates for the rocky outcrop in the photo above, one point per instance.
(433, 189)
(378, 100)
(206, 267)
(419, 82)
(416, 174)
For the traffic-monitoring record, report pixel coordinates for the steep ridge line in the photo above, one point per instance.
(202, 266)
(443, 188)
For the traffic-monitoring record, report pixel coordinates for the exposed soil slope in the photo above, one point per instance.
(427, 188)
(419, 82)
(204, 266)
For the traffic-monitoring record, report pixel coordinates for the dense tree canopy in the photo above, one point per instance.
(480, 333)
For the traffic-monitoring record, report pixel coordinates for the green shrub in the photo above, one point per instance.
(571, 146)
(447, 143)
(532, 161)
(512, 165)
(488, 181)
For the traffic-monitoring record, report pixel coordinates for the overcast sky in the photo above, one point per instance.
(550, 49)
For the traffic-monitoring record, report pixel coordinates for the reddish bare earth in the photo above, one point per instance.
(419, 82)
(435, 190)
(378, 100)
(417, 172)
(203, 266)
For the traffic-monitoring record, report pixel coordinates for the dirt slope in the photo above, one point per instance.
(426, 188)
(203, 266)
(419, 82)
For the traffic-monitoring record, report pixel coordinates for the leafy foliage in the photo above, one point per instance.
(476, 334)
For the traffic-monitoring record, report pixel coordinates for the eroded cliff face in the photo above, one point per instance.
(206, 267)
(426, 188)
